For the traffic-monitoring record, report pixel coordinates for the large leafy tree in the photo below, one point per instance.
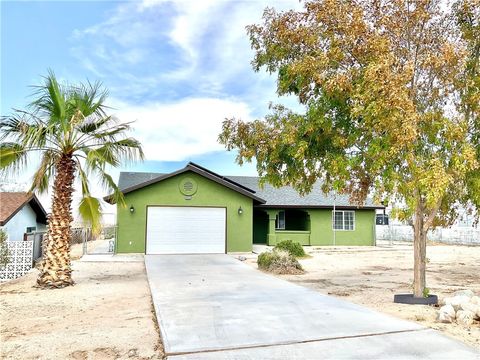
(67, 127)
(467, 16)
(388, 91)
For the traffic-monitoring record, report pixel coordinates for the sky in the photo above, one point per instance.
(177, 68)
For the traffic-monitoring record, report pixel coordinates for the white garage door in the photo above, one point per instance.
(185, 230)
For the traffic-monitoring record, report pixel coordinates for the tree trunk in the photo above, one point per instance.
(56, 267)
(419, 253)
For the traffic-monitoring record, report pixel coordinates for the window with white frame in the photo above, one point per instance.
(343, 220)
(280, 221)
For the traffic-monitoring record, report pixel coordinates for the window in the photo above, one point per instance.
(31, 229)
(344, 220)
(280, 221)
(381, 219)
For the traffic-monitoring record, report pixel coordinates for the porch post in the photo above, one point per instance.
(271, 236)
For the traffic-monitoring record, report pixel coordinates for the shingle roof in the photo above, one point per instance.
(129, 183)
(130, 179)
(285, 196)
(12, 202)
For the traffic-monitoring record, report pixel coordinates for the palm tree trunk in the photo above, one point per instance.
(56, 267)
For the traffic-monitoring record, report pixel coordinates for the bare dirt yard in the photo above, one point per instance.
(107, 315)
(370, 276)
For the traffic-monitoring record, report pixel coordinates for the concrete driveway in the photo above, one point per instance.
(216, 307)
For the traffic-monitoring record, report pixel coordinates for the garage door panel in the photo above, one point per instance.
(187, 230)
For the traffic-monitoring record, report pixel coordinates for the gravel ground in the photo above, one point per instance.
(108, 314)
(370, 276)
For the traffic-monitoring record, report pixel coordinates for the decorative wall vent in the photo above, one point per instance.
(20, 260)
(188, 186)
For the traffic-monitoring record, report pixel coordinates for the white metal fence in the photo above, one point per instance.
(102, 243)
(456, 235)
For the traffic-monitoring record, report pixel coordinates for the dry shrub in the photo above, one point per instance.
(279, 262)
(292, 247)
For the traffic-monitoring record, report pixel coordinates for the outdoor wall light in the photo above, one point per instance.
(240, 211)
(132, 209)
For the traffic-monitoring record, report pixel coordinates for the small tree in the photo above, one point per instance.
(4, 253)
(386, 88)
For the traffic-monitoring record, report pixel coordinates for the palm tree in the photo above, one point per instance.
(68, 127)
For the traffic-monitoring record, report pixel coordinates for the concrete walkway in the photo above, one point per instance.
(215, 307)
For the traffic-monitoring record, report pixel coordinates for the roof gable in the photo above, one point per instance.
(13, 202)
(134, 181)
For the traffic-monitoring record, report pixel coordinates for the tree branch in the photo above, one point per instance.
(431, 216)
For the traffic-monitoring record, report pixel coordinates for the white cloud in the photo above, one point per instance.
(192, 20)
(157, 43)
(224, 24)
(177, 131)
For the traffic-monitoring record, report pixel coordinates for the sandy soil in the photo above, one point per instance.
(107, 315)
(371, 276)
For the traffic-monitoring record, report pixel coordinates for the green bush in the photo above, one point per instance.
(279, 262)
(265, 260)
(4, 253)
(294, 248)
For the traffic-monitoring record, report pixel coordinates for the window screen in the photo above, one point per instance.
(338, 220)
(344, 220)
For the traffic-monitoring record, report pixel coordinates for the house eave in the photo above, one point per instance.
(340, 207)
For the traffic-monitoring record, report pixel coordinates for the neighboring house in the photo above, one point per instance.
(21, 213)
(194, 210)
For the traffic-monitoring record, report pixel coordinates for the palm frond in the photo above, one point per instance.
(92, 99)
(129, 149)
(90, 211)
(83, 180)
(32, 135)
(13, 127)
(51, 101)
(13, 156)
(99, 131)
(45, 172)
(113, 153)
(111, 133)
(93, 124)
(102, 156)
(109, 184)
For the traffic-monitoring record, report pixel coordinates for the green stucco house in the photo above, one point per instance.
(194, 210)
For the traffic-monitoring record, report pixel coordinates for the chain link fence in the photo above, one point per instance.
(456, 235)
(102, 243)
